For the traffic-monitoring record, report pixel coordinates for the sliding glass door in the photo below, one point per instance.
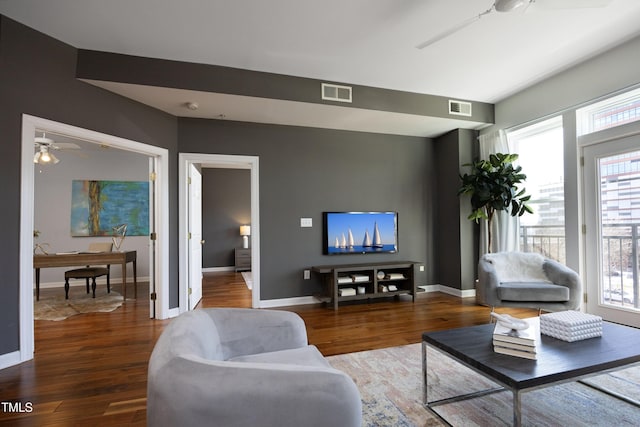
(612, 228)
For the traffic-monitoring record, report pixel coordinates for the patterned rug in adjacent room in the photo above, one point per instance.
(390, 382)
(58, 308)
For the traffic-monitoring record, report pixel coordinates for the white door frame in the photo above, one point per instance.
(29, 126)
(223, 161)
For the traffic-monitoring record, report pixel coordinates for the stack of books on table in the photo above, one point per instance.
(520, 343)
(571, 325)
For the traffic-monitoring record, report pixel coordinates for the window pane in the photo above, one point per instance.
(611, 112)
(620, 223)
(541, 155)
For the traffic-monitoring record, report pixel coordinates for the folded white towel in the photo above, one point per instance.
(346, 292)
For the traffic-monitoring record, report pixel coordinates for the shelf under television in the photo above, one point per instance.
(331, 285)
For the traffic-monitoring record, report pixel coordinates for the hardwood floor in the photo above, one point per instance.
(91, 369)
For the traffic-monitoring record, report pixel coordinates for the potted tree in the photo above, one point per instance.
(493, 186)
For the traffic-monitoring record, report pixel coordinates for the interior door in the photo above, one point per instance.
(612, 219)
(195, 236)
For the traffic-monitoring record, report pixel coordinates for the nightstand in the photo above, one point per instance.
(243, 259)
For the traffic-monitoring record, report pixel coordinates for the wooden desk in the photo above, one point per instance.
(84, 259)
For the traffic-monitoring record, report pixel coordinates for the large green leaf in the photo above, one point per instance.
(493, 185)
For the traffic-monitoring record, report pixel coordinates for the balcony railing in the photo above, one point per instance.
(547, 240)
(620, 251)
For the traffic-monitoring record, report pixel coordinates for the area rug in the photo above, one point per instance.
(390, 383)
(58, 308)
(248, 279)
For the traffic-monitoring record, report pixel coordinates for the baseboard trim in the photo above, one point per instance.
(460, 293)
(429, 288)
(283, 302)
(10, 359)
(218, 269)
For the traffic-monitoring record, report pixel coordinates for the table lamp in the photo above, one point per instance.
(245, 232)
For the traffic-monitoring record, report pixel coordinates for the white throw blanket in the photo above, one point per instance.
(518, 266)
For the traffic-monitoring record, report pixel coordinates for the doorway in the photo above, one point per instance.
(159, 249)
(201, 161)
(612, 220)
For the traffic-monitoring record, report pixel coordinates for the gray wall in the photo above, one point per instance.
(612, 71)
(455, 236)
(226, 205)
(37, 77)
(52, 203)
(304, 172)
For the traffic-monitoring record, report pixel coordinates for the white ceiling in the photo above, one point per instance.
(364, 42)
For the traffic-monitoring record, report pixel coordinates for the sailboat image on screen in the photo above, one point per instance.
(345, 243)
(376, 231)
(377, 240)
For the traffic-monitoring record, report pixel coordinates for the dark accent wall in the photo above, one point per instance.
(226, 205)
(456, 239)
(305, 171)
(37, 77)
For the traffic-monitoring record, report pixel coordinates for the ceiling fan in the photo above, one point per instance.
(44, 146)
(504, 6)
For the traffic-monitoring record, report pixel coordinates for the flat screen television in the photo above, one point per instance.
(360, 232)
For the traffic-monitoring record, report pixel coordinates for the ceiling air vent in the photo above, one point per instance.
(460, 108)
(336, 93)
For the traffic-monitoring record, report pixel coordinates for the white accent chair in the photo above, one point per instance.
(529, 280)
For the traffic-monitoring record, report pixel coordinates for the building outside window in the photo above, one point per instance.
(611, 112)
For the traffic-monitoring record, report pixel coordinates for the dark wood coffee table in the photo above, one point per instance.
(558, 361)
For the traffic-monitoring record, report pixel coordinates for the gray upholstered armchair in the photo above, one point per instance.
(522, 279)
(245, 367)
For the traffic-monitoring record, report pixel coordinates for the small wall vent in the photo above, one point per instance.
(460, 108)
(332, 92)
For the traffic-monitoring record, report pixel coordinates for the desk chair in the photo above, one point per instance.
(90, 272)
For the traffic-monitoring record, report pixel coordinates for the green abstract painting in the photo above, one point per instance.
(98, 206)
